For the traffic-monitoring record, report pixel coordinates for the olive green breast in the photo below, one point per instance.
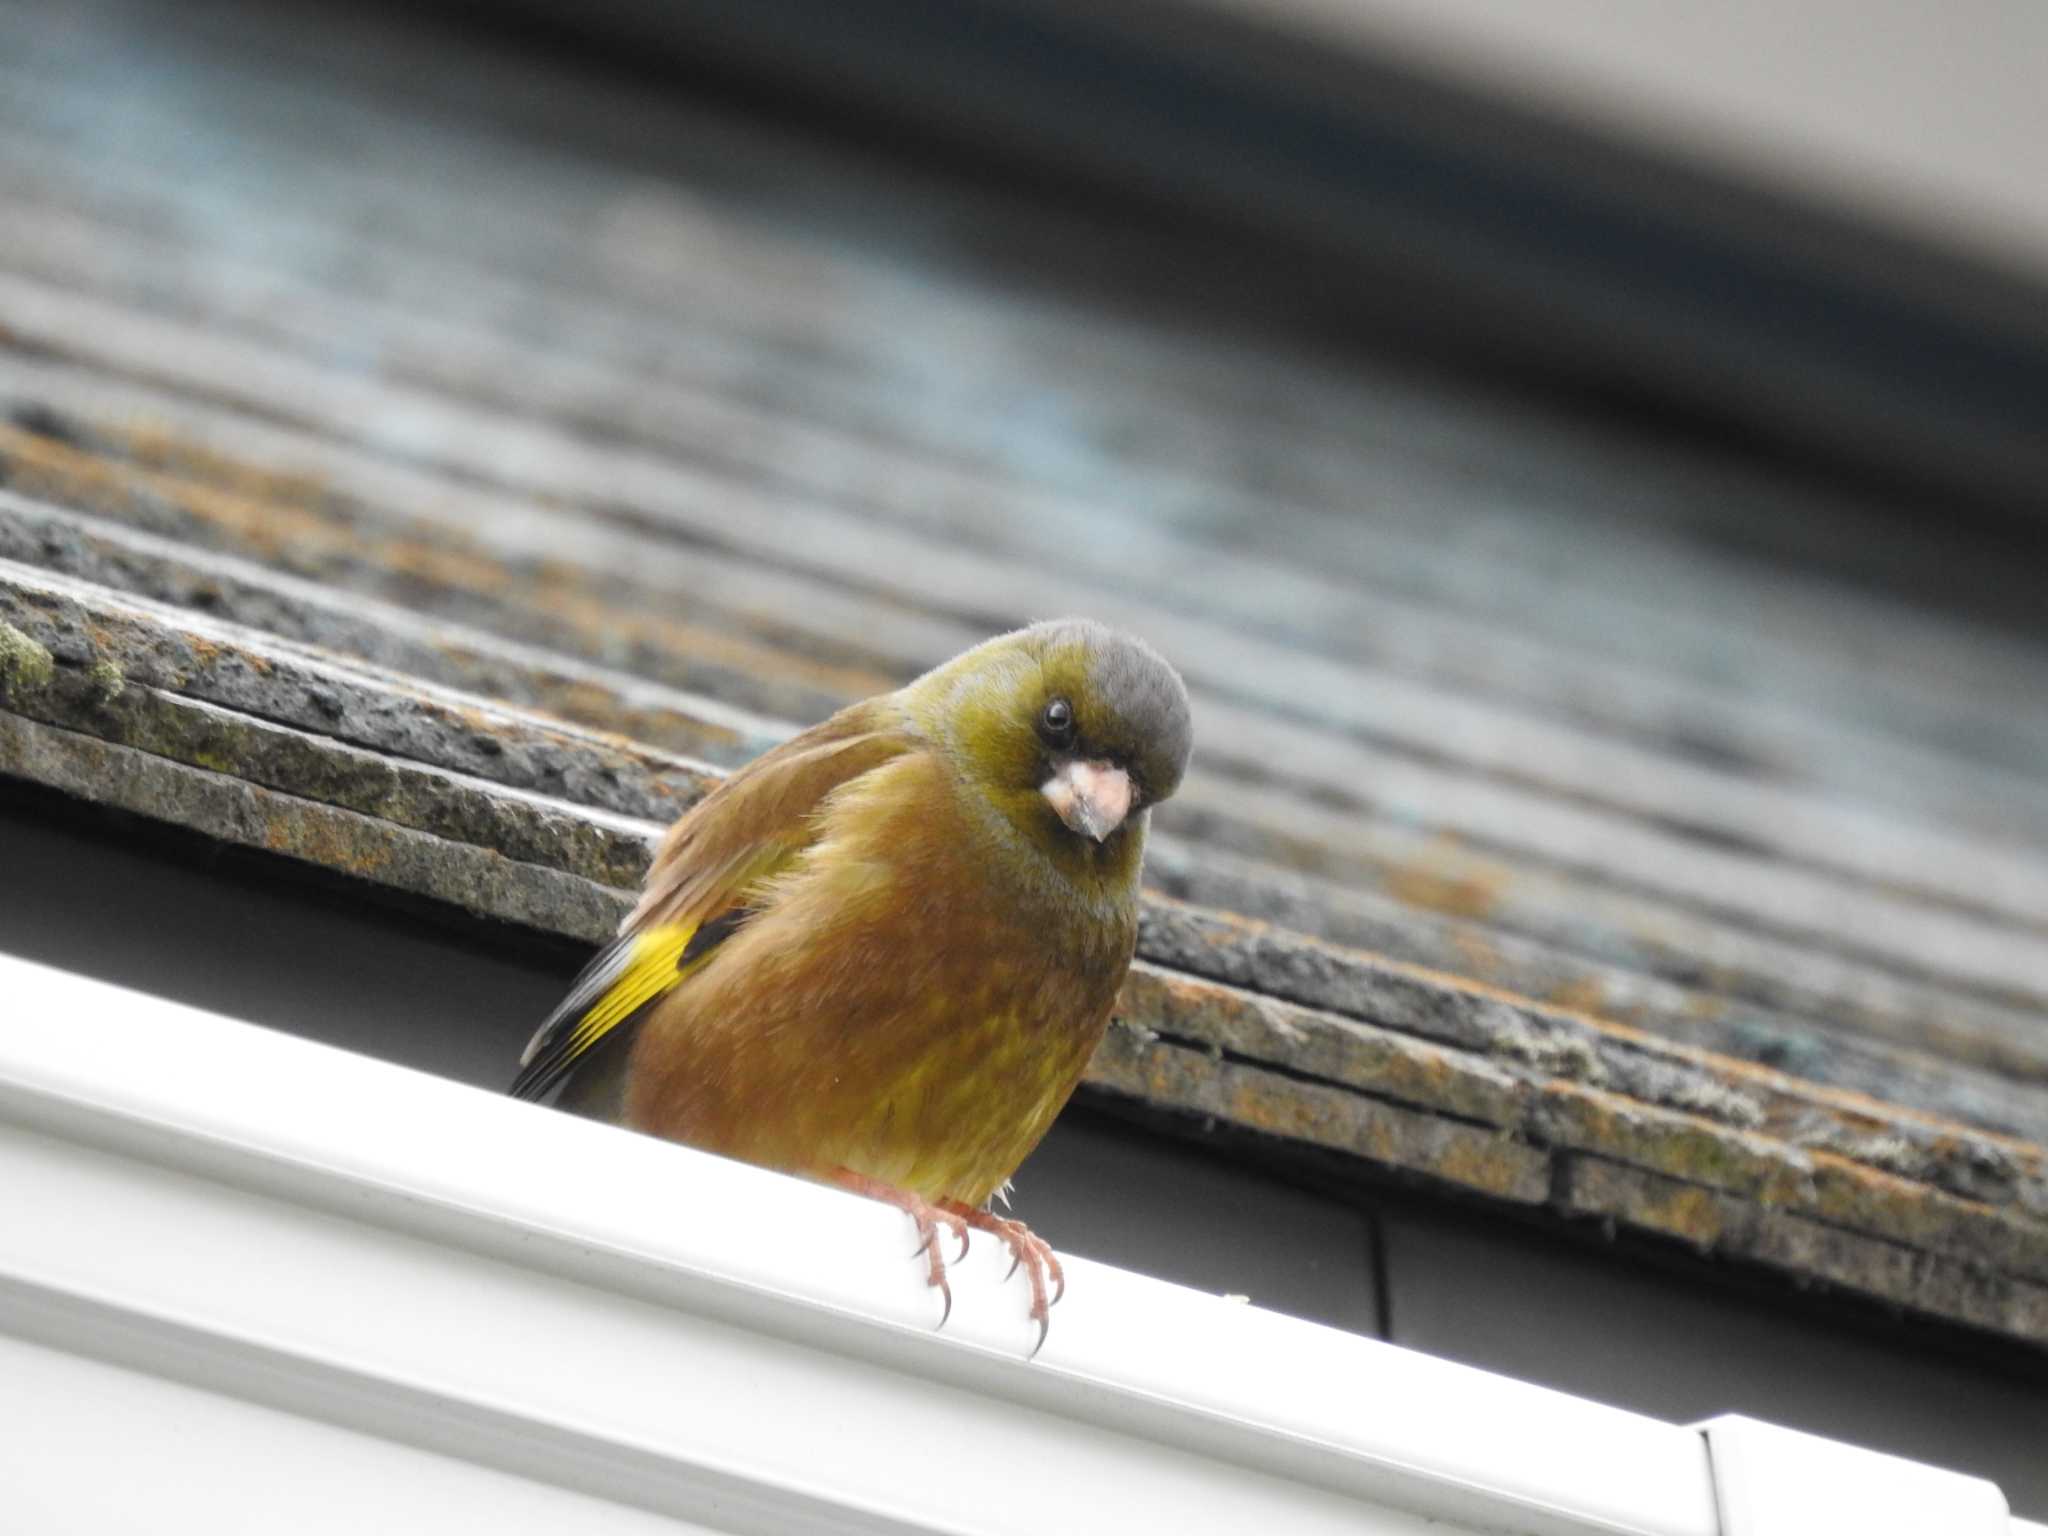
(915, 1000)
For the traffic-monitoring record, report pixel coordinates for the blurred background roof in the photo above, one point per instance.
(1925, 121)
(431, 458)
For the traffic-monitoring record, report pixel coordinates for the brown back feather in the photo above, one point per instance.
(753, 824)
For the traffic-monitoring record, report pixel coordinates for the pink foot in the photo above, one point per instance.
(1028, 1249)
(929, 1219)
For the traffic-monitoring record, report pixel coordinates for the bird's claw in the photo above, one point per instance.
(1029, 1252)
(935, 1267)
(928, 1217)
(928, 1223)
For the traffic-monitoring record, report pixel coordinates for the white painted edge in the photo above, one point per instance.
(1774, 1481)
(388, 1252)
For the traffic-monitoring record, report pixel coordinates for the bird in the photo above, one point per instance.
(880, 955)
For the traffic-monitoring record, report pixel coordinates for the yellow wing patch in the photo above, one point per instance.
(652, 970)
(628, 975)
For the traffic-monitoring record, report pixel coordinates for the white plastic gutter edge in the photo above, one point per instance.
(349, 1244)
(1773, 1481)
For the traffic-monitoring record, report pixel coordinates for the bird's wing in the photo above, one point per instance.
(627, 974)
(703, 878)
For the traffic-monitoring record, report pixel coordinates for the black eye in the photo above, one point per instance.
(1056, 723)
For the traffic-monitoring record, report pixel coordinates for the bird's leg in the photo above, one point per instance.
(1028, 1249)
(929, 1219)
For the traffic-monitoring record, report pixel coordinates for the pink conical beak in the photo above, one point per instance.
(1092, 798)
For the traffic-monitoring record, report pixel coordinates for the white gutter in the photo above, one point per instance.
(1773, 1481)
(245, 1275)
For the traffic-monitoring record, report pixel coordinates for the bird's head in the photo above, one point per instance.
(1070, 730)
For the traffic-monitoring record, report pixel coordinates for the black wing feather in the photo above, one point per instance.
(636, 965)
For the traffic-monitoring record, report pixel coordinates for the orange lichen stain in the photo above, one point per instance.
(1478, 956)
(1705, 1006)
(1685, 1211)
(1250, 1106)
(1493, 1165)
(435, 564)
(597, 612)
(1444, 878)
(286, 519)
(155, 445)
(1669, 1141)
(1582, 994)
(76, 477)
(1374, 1138)
(1172, 1002)
(1856, 1195)
(45, 468)
(1782, 1096)
(320, 841)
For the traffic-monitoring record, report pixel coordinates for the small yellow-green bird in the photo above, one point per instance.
(882, 954)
